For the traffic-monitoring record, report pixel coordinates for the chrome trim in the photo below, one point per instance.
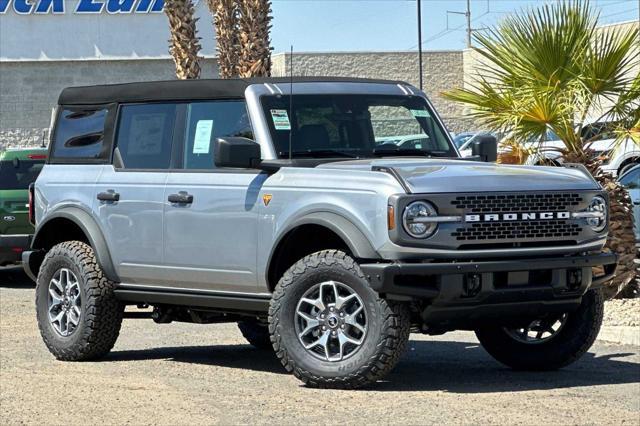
(587, 215)
(438, 219)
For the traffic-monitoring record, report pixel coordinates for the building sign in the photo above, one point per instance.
(41, 7)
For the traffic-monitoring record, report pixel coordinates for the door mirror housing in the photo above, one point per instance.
(486, 148)
(236, 152)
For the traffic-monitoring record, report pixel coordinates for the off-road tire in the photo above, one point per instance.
(257, 334)
(384, 344)
(572, 341)
(101, 313)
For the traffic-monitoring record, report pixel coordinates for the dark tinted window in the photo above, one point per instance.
(18, 174)
(79, 133)
(144, 135)
(206, 121)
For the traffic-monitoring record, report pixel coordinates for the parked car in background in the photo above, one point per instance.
(617, 157)
(461, 138)
(18, 169)
(631, 181)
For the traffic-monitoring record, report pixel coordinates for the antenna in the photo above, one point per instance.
(291, 104)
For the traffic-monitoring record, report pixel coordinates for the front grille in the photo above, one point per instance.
(511, 203)
(516, 230)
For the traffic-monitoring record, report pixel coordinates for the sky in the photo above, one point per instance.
(366, 25)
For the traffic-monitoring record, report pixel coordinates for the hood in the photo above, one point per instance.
(442, 176)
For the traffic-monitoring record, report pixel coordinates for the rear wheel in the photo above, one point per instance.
(78, 315)
(547, 343)
(330, 329)
(256, 333)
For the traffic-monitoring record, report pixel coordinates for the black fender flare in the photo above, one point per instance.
(357, 242)
(90, 228)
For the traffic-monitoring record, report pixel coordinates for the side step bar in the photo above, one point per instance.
(224, 302)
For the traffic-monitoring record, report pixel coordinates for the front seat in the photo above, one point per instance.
(312, 137)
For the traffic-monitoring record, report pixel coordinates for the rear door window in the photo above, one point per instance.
(145, 134)
(79, 134)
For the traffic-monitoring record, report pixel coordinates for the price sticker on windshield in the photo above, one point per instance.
(280, 119)
(420, 113)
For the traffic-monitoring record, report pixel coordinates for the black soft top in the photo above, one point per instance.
(183, 90)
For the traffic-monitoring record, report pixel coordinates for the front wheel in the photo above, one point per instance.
(330, 329)
(548, 343)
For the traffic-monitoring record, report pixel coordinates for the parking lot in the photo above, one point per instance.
(185, 373)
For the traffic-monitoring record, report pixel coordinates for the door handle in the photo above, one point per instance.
(109, 195)
(181, 197)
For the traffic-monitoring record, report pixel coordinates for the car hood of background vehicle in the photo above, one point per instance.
(440, 175)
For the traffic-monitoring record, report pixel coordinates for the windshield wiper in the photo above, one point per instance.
(320, 153)
(408, 151)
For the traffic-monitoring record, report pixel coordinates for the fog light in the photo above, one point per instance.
(574, 279)
(472, 285)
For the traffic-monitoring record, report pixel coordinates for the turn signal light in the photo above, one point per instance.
(391, 218)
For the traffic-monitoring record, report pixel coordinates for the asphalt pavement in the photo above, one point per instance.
(206, 374)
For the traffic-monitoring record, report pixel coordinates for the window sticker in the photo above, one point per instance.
(280, 119)
(202, 137)
(420, 113)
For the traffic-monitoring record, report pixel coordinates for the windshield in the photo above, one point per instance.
(357, 126)
(18, 174)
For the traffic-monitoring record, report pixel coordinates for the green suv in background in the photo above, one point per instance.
(18, 169)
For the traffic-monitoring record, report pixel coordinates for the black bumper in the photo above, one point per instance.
(12, 246)
(492, 289)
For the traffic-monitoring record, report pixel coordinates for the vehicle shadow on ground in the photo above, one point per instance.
(428, 366)
(14, 277)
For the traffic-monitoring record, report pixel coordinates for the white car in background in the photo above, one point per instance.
(617, 158)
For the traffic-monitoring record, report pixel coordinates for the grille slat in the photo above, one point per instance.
(517, 230)
(511, 203)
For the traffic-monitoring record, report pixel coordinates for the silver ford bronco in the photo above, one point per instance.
(328, 217)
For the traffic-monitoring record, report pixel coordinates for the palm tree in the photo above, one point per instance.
(254, 58)
(184, 44)
(225, 21)
(551, 68)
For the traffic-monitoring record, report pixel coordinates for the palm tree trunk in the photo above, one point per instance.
(255, 46)
(184, 44)
(621, 238)
(225, 21)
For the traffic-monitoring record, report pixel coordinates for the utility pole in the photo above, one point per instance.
(467, 15)
(420, 40)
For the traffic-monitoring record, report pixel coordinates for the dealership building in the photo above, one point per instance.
(47, 45)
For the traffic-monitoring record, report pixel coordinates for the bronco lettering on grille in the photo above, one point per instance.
(499, 217)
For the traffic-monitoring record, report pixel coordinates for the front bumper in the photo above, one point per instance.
(467, 291)
(12, 246)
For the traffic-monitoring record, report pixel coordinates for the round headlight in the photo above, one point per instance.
(411, 219)
(598, 205)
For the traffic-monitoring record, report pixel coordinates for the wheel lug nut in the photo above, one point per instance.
(333, 333)
(324, 327)
(342, 326)
(332, 309)
(341, 314)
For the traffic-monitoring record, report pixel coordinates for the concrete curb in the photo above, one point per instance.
(620, 334)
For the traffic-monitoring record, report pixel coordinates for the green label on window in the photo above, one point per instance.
(420, 113)
(280, 119)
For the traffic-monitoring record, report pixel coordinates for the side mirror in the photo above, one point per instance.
(236, 152)
(486, 148)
